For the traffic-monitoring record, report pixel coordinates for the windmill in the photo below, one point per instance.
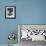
(11, 37)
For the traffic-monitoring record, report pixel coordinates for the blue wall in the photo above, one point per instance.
(27, 12)
(6, 25)
(31, 11)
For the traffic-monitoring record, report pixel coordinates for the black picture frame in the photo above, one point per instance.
(10, 12)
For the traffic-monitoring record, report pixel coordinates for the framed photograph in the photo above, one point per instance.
(33, 32)
(10, 12)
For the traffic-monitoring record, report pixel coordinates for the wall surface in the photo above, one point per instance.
(7, 25)
(31, 11)
(27, 12)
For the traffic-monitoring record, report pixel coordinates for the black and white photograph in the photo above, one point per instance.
(10, 12)
(32, 34)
